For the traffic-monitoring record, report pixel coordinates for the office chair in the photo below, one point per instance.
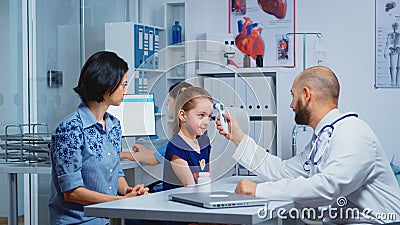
(221, 161)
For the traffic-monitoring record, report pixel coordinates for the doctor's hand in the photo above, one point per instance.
(246, 187)
(235, 134)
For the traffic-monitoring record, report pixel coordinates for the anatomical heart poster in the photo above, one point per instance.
(387, 43)
(260, 29)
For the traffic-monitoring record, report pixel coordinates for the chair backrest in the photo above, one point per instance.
(221, 161)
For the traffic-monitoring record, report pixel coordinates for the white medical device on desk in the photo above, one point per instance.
(221, 110)
(311, 161)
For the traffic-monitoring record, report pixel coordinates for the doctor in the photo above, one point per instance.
(345, 158)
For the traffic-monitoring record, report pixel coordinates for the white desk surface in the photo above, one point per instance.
(156, 206)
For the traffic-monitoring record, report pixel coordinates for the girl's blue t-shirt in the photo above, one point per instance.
(197, 162)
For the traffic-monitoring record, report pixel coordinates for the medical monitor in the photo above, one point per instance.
(136, 114)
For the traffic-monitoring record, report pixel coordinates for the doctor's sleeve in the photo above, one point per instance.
(265, 165)
(345, 170)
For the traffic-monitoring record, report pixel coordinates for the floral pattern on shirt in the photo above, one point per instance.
(66, 139)
(95, 142)
(114, 135)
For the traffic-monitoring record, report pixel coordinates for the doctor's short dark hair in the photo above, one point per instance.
(101, 74)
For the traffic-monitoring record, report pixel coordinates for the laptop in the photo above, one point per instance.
(217, 199)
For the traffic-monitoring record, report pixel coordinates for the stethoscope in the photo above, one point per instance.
(327, 128)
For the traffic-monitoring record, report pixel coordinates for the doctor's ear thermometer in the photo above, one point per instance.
(221, 110)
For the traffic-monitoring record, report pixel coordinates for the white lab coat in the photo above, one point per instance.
(354, 166)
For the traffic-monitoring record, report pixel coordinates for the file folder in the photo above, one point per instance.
(138, 32)
(156, 47)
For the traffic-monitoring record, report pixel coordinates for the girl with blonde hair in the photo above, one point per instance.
(188, 152)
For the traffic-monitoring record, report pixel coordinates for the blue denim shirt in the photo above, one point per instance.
(83, 155)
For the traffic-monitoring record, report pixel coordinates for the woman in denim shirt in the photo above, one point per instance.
(85, 147)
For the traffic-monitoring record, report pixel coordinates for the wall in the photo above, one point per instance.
(348, 31)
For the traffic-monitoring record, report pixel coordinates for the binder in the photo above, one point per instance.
(251, 131)
(138, 32)
(145, 47)
(150, 59)
(251, 98)
(267, 128)
(156, 47)
(226, 91)
(241, 99)
(263, 95)
(258, 132)
(208, 86)
(211, 85)
(141, 83)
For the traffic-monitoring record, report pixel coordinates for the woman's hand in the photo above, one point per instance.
(138, 190)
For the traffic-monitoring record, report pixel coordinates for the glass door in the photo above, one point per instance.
(12, 85)
(65, 34)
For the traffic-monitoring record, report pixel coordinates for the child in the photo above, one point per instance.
(188, 152)
(149, 156)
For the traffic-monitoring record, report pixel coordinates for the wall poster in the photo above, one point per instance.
(259, 28)
(387, 44)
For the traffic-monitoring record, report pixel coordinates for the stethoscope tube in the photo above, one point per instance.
(314, 149)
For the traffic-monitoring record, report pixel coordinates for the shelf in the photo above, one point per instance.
(31, 148)
(150, 70)
(239, 71)
(258, 118)
(26, 137)
(177, 46)
(263, 117)
(25, 147)
(176, 78)
(158, 114)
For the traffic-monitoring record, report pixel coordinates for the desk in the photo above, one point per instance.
(12, 169)
(157, 207)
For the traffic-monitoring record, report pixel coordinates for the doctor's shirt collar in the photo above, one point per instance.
(328, 119)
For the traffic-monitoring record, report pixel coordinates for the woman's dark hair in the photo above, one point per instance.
(101, 74)
(176, 88)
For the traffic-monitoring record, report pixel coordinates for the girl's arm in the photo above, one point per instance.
(182, 171)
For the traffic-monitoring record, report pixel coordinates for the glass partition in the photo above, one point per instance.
(12, 83)
(43, 45)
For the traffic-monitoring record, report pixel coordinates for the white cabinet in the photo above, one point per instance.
(154, 64)
(252, 89)
(175, 53)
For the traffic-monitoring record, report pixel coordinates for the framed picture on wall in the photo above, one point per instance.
(387, 43)
(260, 29)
